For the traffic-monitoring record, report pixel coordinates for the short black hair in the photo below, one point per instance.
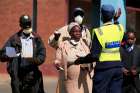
(25, 21)
(130, 30)
(78, 11)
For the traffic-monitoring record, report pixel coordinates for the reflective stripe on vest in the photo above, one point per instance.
(110, 37)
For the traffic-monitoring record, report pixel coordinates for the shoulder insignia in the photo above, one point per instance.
(100, 31)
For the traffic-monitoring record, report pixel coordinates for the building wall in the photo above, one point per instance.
(133, 21)
(52, 14)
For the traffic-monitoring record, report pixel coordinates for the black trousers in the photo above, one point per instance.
(131, 84)
(32, 82)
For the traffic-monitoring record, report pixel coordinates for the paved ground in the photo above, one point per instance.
(49, 83)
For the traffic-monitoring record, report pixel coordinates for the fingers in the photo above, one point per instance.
(118, 13)
(77, 56)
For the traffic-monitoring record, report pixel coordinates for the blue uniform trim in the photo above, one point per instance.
(114, 44)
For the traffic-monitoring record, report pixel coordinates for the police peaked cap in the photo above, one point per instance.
(107, 11)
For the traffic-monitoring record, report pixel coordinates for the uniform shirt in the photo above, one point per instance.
(96, 48)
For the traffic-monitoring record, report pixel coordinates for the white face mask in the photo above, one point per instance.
(78, 19)
(27, 31)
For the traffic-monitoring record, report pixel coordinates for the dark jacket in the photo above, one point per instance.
(24, 72)
(130, 60)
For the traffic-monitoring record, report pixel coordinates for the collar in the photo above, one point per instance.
(107, 23)
(73, 42)
(129, 49)
(29, 37)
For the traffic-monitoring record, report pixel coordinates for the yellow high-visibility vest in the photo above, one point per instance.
(110, 37)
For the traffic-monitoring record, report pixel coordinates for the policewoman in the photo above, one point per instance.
(105, 51)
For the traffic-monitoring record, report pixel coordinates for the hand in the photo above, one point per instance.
(79, 60)
(133, 71)
(87, 59)
(56, 35)
(125, 71)
(1, 52)
(117, 15)
(58, 67)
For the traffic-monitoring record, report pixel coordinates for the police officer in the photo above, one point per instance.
(105, 51)
(23, 66)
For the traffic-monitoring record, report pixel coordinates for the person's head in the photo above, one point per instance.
(107, 12)
(75, 31)
(78, 15)
(25, 23)
(130, 38)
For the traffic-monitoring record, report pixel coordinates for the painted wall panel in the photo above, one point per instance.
(118, 4)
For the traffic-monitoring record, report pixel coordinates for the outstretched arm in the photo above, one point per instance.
(94, 55)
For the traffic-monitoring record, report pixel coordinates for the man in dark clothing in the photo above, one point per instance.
(130, 54)
(24, 52)
(105, 51)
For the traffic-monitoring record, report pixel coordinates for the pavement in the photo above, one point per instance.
(49, 78)
(50, 83)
